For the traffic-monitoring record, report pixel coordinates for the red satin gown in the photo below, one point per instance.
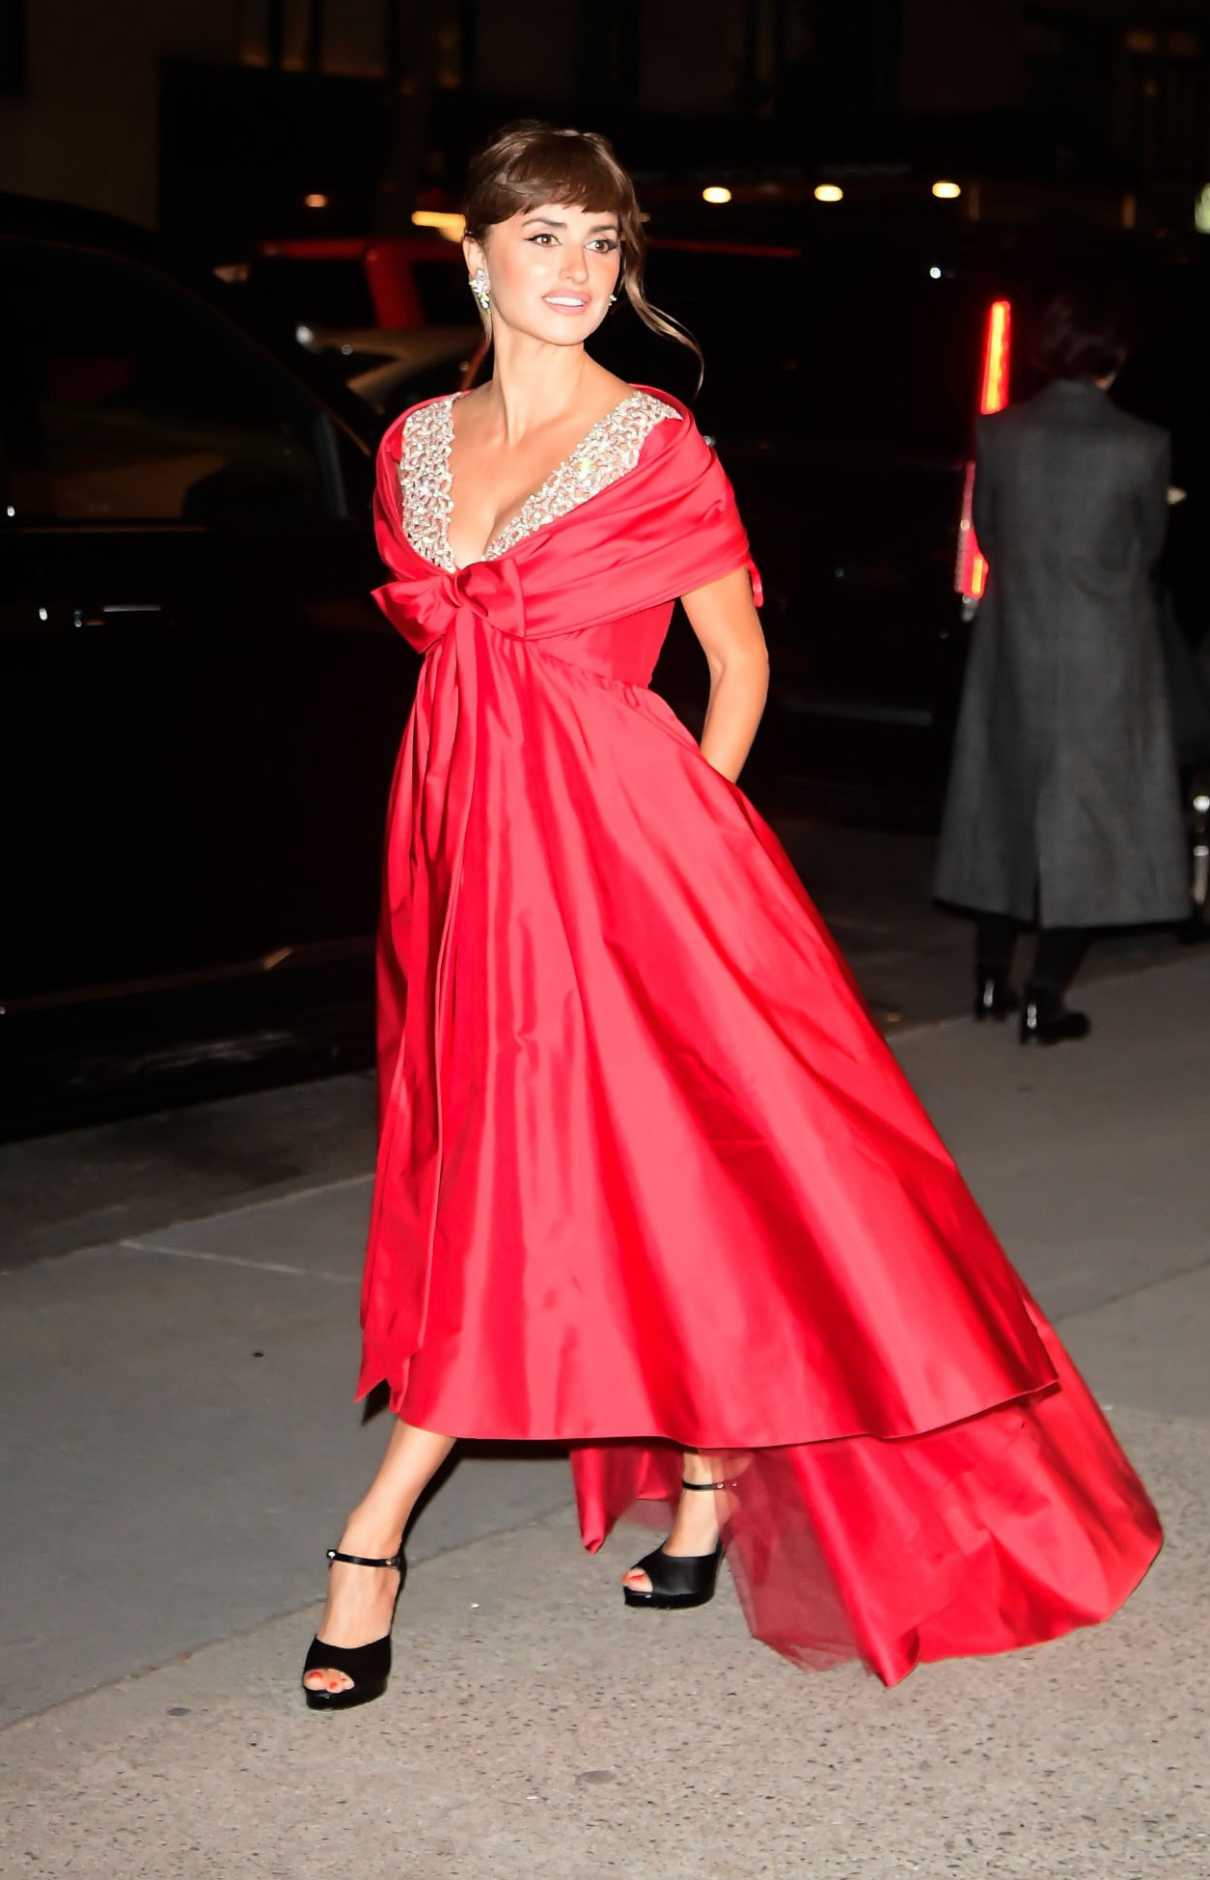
(648, 1174)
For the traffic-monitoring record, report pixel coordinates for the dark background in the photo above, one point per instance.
(212, 116)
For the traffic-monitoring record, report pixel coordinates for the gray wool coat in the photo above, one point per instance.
(1063, 802)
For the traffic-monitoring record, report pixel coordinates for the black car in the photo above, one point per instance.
(201, 703)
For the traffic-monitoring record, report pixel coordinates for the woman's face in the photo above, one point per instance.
(552, 270)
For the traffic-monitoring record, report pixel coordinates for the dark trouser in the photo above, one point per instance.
(1057, 955)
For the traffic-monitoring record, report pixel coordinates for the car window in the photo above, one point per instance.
(124, 400)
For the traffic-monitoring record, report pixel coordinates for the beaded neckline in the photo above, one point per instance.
(606, 452)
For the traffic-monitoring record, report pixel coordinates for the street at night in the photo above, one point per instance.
(607, 744)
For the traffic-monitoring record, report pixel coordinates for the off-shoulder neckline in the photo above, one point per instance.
(586, 471)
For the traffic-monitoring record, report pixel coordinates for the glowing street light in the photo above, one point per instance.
(315, 201)
(716, 192)
(447, 222)
(829, 192)
(947, 192)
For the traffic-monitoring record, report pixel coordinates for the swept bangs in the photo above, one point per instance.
(532, 163)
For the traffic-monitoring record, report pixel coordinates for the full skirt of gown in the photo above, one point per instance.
(648, 1175)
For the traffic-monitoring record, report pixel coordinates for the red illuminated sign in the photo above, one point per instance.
(970, 574)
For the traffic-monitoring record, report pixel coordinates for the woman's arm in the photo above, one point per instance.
(726, 622)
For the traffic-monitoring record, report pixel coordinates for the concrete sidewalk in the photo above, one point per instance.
(187, 1447)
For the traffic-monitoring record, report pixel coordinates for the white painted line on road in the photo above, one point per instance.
(276, 1200)
(231, 1259)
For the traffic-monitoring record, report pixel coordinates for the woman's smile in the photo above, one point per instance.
(565, 302)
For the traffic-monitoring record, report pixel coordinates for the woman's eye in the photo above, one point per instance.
(603, 244)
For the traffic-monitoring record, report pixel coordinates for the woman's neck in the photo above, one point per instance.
(535, 384)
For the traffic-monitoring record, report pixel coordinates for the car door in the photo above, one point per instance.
(200, 702)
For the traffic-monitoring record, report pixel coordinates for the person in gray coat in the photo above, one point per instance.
(1063, 808)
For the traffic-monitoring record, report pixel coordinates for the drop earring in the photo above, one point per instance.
(481, 288)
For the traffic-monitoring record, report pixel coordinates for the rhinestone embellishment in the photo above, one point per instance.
(424, 481)
(605, 453)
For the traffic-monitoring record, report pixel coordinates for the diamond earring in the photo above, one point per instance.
(481, 288)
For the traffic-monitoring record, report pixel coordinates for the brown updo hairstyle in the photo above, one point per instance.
(529, 163)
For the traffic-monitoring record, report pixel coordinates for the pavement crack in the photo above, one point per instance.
(233, 1259)
(1151, 1284)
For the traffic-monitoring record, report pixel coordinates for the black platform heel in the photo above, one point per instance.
(368, 1665)
(677, 1580)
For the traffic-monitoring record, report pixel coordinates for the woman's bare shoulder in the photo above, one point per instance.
(609, 388)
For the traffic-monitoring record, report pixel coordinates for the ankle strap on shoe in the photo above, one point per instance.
(702, 1486)
(361, 1560)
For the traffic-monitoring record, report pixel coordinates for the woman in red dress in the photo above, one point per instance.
(649, 1180)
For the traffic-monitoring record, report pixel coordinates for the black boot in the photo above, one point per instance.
(1046, 1020)
(994, 996)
